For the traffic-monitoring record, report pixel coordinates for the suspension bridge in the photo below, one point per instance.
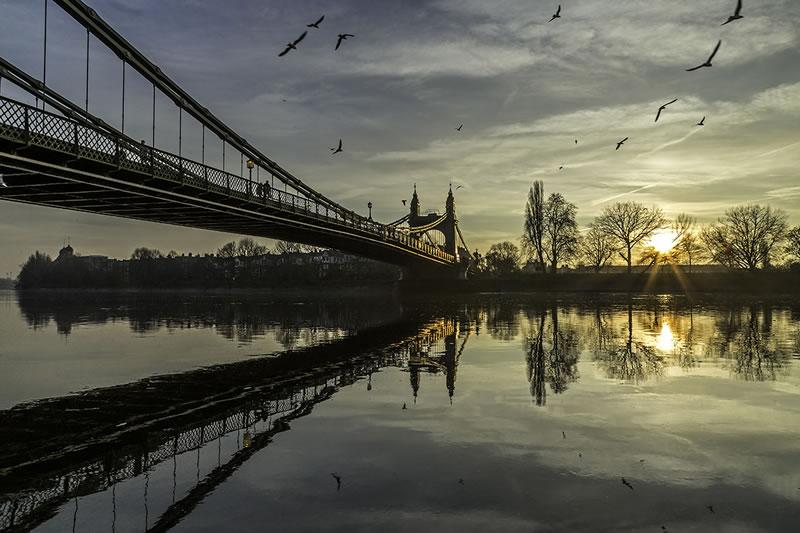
(57, 153)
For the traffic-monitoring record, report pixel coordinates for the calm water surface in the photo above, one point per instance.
(490, 413)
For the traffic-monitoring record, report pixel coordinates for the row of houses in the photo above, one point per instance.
(210, 269)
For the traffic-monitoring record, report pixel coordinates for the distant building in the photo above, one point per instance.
(98, 263)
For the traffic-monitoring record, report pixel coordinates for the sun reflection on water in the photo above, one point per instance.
(665, 340)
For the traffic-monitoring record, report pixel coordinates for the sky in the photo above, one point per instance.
(524, 88)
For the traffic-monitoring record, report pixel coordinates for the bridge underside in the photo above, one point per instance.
(39, 176)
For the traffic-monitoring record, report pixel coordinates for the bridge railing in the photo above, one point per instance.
(25, 123)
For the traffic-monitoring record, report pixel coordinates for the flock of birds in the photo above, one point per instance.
(737, 15)
(341, 37)
(293, 45)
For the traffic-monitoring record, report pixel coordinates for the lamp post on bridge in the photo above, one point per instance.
(369, 206)
(250, 166)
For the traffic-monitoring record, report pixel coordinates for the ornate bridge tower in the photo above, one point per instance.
(447, 223)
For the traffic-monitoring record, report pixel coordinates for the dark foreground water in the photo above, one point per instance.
(488, 414)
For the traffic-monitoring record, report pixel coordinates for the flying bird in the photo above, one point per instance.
(663, 107)
(316, 24)
(404, 405)
(557, 15)
(564, 435)
(337, 149)
(736, 14)
(338, 479)
(625, 482)
(459, 127)
(708, 61)
(461, 481)
(293, 45)
(576, 141)
(561, 168)
(702, 122)
(619, 144)
(458, 186)
(342, 37)
(710, 508)
(404, 202)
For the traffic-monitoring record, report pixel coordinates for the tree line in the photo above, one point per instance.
(246, 247)
(244, 264)
(750, 237)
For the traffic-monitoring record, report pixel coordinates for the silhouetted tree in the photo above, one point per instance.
(560, 230)
(747, 236)
(533, 236)
(793, 243)
(596, 247)
(35, 271)
(691, 249)
(228, 250)
(630, 223)
(145, 254)
(502, 258)
(249, 248)
(286, 247)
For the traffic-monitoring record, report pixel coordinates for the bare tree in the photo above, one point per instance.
(596, 247)
(249, 248)
(533, 236)
(560, 230)
(630, 223)
(793, 243)
(286, 247)
(228, 250)
(747, 236)
(691, 249)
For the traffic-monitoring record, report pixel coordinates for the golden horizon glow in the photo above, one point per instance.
(663, 240)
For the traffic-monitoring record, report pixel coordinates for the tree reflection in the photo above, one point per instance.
(550, 357)
(238, 318)
(748, 342)
(502, 321)
(630, 360)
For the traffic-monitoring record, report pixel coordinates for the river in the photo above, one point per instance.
(194, 411)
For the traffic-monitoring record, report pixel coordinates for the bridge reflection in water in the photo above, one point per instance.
(204, 424)
(162, 444)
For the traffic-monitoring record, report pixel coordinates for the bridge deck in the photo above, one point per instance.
(47, 159)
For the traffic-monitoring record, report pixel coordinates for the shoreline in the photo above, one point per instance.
(752, 283)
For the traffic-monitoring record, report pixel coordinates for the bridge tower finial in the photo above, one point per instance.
(414, 204)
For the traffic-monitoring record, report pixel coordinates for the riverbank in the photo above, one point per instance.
(740, 282)
(737, 282)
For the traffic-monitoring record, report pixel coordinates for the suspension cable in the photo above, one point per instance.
(86, 104)
(123, 96)
(44, 51)
(180, 131)
(154, 116)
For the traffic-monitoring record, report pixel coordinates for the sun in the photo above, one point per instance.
(663, 240)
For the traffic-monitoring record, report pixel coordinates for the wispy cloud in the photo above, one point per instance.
(624, 194)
